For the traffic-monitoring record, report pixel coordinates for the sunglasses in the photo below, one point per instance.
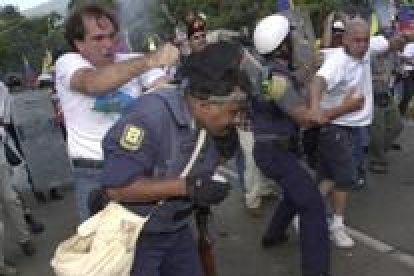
(198, 36)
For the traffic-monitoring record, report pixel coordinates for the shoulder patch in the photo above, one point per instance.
(278, 87)
(131, 138)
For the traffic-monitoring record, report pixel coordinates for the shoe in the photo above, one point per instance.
(7, 270)
(268, 242)
(35, 226)
(55, 194)
(340, 237)
(28, 248)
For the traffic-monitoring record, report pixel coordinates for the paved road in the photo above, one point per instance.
(381, 217)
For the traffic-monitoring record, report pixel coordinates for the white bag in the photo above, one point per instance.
(103, 246)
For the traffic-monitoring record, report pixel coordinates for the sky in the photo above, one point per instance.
(23, 4)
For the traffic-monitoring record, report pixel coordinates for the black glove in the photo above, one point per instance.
(205, 190)
(97, 200)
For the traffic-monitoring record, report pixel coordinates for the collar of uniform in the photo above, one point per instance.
(178, 106)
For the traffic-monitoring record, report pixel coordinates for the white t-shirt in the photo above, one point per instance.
(86, 126)
(342, 73)
(409, 53)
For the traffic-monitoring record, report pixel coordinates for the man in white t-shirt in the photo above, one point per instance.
(346, 70)
(95, 85)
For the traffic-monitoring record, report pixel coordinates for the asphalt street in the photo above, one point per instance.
(380, 218)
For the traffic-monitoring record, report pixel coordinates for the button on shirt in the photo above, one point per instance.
(343, 73)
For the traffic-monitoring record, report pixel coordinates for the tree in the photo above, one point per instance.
(109, 3)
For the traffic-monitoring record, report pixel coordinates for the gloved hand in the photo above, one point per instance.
(97, 200)
(206, 189)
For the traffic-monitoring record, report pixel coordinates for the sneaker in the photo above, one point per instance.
(6, 270)
(28, 248)
(341, 238)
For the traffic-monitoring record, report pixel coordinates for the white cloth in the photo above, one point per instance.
(103, 246)
(343, 73)
(408, 52)
(86, 127)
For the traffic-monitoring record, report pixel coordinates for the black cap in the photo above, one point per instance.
(215, 71)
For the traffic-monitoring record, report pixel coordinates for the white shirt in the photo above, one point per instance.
(4, 107)
(343, 73)
(86, 127)
(409, 53)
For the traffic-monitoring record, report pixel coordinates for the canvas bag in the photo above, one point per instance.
(104, 245)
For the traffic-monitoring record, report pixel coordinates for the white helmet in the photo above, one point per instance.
(270, 32)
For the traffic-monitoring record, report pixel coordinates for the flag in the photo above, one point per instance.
(282, 5)
(47, 62)
(29, 75)
(374, 25)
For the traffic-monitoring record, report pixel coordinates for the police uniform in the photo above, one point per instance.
(275, 136)
(156, 139)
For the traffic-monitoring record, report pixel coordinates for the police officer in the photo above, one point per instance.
(146, 151)
(277, 114)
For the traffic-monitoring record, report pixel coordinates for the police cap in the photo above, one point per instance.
(214, 72)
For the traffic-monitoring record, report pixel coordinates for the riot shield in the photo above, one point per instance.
(303, 36)
(40, 139)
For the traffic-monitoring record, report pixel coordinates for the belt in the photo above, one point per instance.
(87, 163)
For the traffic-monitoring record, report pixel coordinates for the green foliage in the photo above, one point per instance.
(109, 3)
(30, 37)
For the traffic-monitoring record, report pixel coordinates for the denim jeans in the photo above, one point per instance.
(85, 179)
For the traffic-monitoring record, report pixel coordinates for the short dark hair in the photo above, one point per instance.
(74, 28)
(215, 71)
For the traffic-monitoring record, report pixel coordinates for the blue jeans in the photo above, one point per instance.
(85, 179)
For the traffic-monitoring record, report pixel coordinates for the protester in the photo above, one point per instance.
(95, 85)
(345, 71)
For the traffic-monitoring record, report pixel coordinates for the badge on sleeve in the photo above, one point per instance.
(277, 88)
(132, 137)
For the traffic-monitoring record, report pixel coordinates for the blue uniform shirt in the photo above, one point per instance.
(270, 111)
(156, 139)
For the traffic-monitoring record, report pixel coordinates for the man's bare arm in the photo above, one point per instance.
(317, 86)
(101, 80)
(147, 190)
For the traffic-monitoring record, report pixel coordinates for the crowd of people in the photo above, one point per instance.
(132, 121)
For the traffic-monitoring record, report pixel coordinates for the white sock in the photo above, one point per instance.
(337, 221)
